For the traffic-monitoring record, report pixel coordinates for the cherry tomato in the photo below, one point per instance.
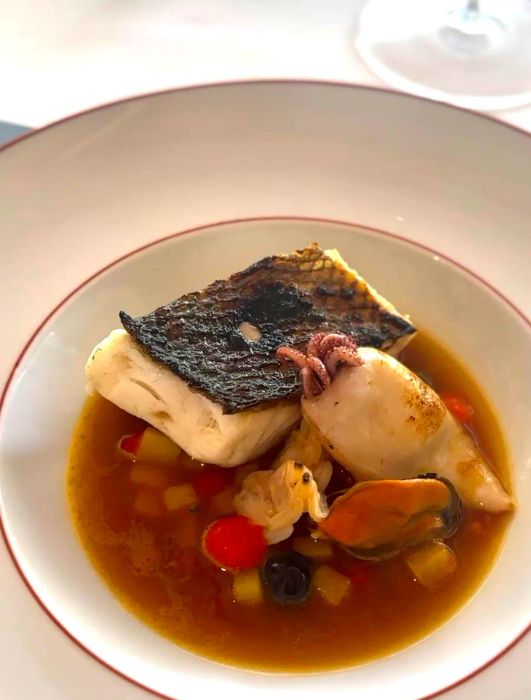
(460, 409)
(211, 481)
(235, 542)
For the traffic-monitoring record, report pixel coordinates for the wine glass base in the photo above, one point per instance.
(431, 48)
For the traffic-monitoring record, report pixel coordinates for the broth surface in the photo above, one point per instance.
(155, 568)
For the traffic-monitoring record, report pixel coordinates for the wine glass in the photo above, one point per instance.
(472, 53)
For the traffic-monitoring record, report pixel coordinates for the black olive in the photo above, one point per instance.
(288, 576)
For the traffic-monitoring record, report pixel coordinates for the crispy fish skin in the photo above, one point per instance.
(287, 298)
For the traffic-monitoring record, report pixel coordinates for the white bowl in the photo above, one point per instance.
(118, 177)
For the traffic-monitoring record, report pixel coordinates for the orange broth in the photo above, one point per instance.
(155, 567)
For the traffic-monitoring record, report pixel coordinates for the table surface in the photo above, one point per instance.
(63, 57)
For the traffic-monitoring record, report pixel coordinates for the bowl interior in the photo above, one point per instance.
(47, 390)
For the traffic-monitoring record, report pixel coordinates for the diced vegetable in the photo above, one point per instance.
(178, 497)
(156, 447)
(211, 481)
(151, 475)
(332, 585)
(314, 549)
(432, 563)
(128, 444)
(288, 576)
(460, 409)
(223, 501)
(150, 445)
(149, 503)
(247, 587)
(235, 542)
(358, 572)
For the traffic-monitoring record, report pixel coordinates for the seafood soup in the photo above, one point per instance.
(282, 472)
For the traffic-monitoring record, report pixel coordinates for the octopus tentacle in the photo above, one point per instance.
(335, 340)
(345, 354)
(314, 345)
(286, 355)
(324, 353)
(316, 365)
(310, 386)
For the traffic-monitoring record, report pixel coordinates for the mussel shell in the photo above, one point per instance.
(450, 517)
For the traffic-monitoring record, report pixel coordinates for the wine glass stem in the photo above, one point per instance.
(471, 8)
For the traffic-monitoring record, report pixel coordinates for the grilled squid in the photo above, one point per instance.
(381, 421)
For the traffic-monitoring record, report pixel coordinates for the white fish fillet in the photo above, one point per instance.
(381, 421)
(119, 371)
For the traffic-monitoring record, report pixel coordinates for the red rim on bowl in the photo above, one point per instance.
(264, 81)
(197, 230)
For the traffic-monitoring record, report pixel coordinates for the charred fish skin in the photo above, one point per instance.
(203, 337)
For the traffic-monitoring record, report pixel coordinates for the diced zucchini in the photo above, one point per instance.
(431, 563)
(247, 587)
(314, 549)
(222, 501)
(178, 497)
(152, 475)
(148, 503)
(332, 585)
(156, 447)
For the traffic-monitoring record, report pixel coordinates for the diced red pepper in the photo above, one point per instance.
(235, 542)
(460, 409)
(358, 572)
(211, 481)
(131, 443)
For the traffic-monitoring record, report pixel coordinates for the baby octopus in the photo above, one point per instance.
(324, 353)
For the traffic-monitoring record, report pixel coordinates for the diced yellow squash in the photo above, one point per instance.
(332, 585)
(247, 587)
(223, 501)
(156, 447)
(432, 563)
(178, 497)
(149, 503)
(152, 475)
(314, 549)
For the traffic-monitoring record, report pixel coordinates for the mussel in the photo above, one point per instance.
(378, 519)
